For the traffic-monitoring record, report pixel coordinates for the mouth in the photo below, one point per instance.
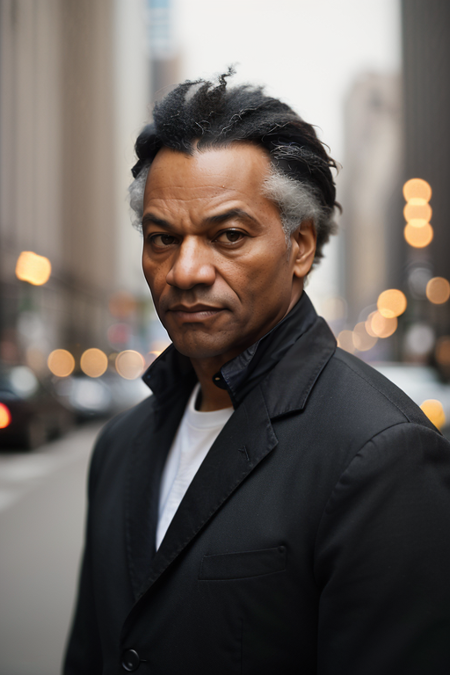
(199, 312)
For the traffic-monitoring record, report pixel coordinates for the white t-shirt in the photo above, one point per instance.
(196, 434)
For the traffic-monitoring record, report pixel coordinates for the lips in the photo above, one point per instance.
(190, 313)
(194, 308)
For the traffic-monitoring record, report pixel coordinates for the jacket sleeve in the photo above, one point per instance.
(83, 654)
(383, 559)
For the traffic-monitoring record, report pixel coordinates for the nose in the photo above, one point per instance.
(192, 266)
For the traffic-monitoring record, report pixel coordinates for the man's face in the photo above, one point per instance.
(215, 254)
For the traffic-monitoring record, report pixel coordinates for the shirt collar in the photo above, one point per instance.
(172, 371)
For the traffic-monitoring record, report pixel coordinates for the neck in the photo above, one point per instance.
(212, 398)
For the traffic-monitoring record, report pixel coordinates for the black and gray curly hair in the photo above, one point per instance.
(208, 115)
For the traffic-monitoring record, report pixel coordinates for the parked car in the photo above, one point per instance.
(100, 397)
(421, 383)
(31, 411)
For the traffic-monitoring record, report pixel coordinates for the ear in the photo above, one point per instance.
(303, 243)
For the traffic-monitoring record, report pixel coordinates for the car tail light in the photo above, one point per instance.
(5, 416)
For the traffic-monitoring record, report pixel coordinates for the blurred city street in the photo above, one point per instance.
(42, 510)
(78, 327)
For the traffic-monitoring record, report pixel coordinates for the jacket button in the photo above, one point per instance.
(130, 660)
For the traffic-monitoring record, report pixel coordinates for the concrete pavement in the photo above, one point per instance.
(42, 511)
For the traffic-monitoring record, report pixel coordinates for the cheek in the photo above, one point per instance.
(154, 275)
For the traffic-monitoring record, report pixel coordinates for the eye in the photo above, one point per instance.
(230, 237)
(161, 240)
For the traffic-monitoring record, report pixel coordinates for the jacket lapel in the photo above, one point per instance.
(147, 457)
(245, 440)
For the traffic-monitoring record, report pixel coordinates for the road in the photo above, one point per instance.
(42, 511)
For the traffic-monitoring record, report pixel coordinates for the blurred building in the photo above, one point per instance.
(371, 195)
(426, 87)
(74, 92)
(164, 55)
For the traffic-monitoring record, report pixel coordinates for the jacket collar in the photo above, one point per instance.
(172, 371)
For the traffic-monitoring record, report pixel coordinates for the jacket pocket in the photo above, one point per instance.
(243, 565)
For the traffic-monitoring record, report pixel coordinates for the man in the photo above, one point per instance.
(276, 506)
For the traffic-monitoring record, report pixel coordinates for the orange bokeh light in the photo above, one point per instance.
(61, 363)
(391, 303)
(381, 326)
(33, 268)
(418, 237)
(438, 290)
(5, 416)
(434, 411)
(417, 191)
(130, 364)
(362, 340)
(93, 362)
(442, 350)
(417, 214)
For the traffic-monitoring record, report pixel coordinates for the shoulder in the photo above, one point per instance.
(368, 395)
(353, 407)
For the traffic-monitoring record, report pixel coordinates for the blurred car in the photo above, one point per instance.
(30, 410)
(421, 383)
(100, 397)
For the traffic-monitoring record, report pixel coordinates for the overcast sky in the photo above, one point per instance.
(307, 52)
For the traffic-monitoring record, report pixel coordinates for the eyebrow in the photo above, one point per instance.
(219, 218)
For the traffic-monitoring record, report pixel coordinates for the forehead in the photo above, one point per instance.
(234, 172)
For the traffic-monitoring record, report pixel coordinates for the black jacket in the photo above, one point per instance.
(314, 539)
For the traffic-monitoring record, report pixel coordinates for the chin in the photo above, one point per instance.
(200, 349)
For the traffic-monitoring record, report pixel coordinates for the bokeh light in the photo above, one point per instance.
(381, 326)
(93, 362)
(362, 340)
(5, 416)
(345, 341)
(391, 303)
(33, 268)
(419, 339)
(24, 381)
(418, 237)
(438, 290)
(417, 191)
(434, 411)
(61, 363)
(130, 364)
(442, 350)
(417, 214)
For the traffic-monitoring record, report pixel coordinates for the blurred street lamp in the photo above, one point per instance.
(33, 268)
(381, 326)
(438, 290)
(130, 364)
(391, 303)
(418, 231)
(417, 191)
(61, 363)
(418, 237)
(93, 362)
(434, 411)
